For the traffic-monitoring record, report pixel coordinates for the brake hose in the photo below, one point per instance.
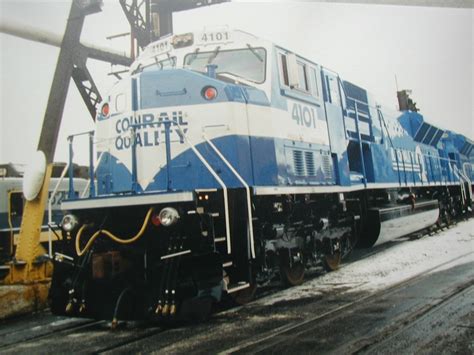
(110, 235)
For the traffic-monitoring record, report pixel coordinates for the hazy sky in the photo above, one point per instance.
(430, 50)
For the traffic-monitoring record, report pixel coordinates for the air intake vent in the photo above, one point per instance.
(327, 167)
(298, 162)
(309, 160)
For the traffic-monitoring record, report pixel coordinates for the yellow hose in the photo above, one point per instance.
(110, 235)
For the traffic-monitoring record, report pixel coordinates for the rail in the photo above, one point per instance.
(92, 192)
(96, 165)
(247, 190)
(442, 178)
(191, 145)
(382, 119)
(50, 209)
(356, 119)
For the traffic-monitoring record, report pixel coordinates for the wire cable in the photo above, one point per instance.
(110, 235)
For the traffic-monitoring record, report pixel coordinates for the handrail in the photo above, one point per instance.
(218, 179)
(201, 158)
(359, 138)
(247, 189)
(380, 114)
(50, 207)
(356, 120)
(464, 178)
(96, 165)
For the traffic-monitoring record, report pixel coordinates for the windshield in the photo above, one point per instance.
(248, 63)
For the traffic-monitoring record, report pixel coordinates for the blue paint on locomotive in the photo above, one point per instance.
(364, 146)
(178, 87)
(267, 168)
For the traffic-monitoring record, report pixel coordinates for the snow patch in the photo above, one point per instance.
(403, 260)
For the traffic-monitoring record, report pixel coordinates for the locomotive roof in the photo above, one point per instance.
(207, 39)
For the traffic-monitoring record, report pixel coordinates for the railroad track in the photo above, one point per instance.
(271, 339)
(44, 333)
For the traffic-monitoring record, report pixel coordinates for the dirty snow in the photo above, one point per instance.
(401, 260)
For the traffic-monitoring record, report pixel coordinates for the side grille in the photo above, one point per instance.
(309, 160)
(327, 167)
(298, 162)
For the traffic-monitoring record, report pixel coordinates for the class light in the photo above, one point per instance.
(168, 216)
(209, 93)
(105, 110)
(69, 222)
(184, 40)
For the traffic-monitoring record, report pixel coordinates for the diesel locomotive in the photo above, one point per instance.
(223, 161)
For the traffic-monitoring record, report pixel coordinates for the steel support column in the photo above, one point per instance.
(28, 265)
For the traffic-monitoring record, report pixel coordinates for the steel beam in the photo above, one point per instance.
(38, 35)
(87, 88)
(139, 20)
(28, 265)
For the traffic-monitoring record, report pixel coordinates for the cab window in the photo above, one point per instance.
(247, 63)
(302, 77)
(314, 82)
(306, 75)
(284, 70)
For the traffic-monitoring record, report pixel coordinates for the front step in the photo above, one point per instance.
(227, 264)
(237, 287)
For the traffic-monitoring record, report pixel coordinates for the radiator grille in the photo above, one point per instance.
(327, 167)
(298, 162)
(310, 166)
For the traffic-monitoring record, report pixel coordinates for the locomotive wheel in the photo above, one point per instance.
(292, 275)
(331, 262)
(246, 295)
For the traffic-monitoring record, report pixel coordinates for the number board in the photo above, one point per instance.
(214, 37)
(161, 47)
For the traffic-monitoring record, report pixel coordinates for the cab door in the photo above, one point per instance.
(333, 105)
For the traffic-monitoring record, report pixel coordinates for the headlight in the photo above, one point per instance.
(69, 222)
(168, 216)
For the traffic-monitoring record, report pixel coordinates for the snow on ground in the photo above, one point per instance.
(401, 260)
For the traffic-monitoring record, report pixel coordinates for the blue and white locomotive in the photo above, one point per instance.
(224, 161)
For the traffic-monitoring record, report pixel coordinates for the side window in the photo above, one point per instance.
(302, 77)
(298, 75)
(284, 70)
(313, 79)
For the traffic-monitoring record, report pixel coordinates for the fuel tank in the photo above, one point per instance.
(388, 223)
